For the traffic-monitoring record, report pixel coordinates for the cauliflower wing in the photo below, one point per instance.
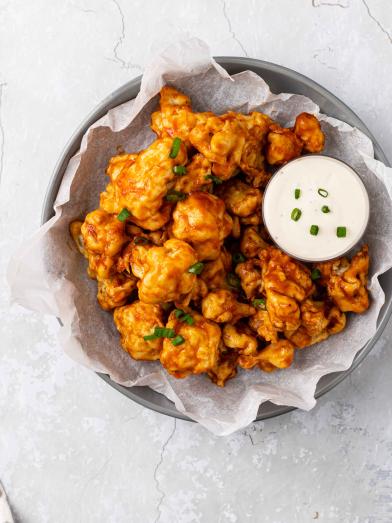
(249, 273)
(240, 198)
(286, 284)
(221, 306)
(252, 243)
(115, 290)
(202, 221)
(349, 289)
(240, 338)
(283, 145)
(135, 321)
(141, 185)
(103, 238)
(319, 320)
(199, 350)
(163, 271)
(225, 368)
(261, 323)
(278, 355)
(308, 130)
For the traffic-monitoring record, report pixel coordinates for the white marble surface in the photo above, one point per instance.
(71, 448)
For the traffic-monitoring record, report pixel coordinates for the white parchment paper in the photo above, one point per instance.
(48, 275)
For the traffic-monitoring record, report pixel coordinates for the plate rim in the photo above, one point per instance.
(106, 104)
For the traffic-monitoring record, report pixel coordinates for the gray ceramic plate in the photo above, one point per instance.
(280, 79)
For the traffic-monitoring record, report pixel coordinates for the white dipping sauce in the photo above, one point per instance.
(347, 201)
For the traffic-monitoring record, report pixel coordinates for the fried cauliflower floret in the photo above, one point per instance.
(348, 290)
(135, 321)
(221, 306)
(261, 323)
(115, 290)
(240, 199)
(215, 272)
(278, 355)
(252, 243)
(283, 145)
(330, 267)
(175, 116)
(225, 368)
(286, 284)
(221, 140)
(202, 221)
(249, 273)
(163, 271)
(119, 163)
(103, 238)
(155, 221)
(196, 177)
(319, 321)
(198, 352)
(142, 184)
(308, 130)
(240, 338)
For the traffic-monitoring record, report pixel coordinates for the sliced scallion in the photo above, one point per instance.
(325, 209)
(297, 193)
(175, 196)
(341, 232)
(296, 214)
(123, 215)
(196, 268)
(323, 192)
(315, 274)
(259, 303)
(179, 170)
(175, 148)
(214, 179)
(314, 229)
(178, 340)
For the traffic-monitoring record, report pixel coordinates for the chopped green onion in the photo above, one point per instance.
(179, 170)
(123, 215)
(325, 209)
(314, 229)
(341, 232)
(296, 214)
(178, 312)
(150, 337)
(259, 303)
(238, 257)
(175, 149)
(188, 319)
(233, 280)
(315, 274)
(140, 240)
(323, 192)
(297, 193)
(160, 332)
(178, 340)
(214, 179)
(196, 268)
(175, 196)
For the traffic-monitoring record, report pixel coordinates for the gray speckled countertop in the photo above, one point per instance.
(71, 448)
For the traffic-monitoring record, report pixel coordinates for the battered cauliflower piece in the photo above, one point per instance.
(163, 271)
(115, 290)
(221, 140)
(225, 368)
(261, 323)
(199, 350)
(196, 177)
(240, 338)
(240, 199)
(103, 238)
(308, 130)
(252, 243)
(135, 321)
(155, 221)
(286, 284)
(175, 116)
(348, 290)
(215, 272)
(278, 355)
(142, 184)
(283, 145)
(249, 273)
(221, 306)
(202, 221)
(319, 321)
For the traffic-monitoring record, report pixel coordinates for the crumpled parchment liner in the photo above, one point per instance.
(48, 274)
